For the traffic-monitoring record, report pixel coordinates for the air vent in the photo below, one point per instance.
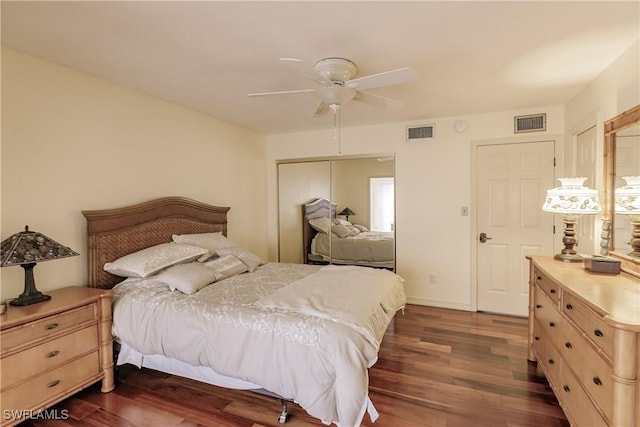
(420, 133)
(530, 123)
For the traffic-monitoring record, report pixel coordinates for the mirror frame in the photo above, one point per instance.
(611, 127)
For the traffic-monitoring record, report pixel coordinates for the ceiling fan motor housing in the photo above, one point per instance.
(338, 70)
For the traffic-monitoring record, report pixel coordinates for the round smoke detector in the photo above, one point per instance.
(338, 70)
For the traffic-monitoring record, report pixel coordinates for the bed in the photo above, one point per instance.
(303, 333)
(346, 244)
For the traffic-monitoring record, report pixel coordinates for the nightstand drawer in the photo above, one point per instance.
(14, 338)
(47, 355)
(587, 320)
(34, 393)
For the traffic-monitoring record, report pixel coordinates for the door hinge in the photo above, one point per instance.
(554, 162)
(554, 229)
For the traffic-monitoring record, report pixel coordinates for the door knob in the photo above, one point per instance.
(484, 238)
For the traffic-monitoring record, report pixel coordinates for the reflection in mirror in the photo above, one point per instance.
(627, 189)
(622, 158)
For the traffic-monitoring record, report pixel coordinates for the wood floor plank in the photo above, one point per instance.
(436, 368)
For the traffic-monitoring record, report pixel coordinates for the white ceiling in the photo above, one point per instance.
(472, 57)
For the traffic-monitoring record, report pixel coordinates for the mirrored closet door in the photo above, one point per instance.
(339, 211)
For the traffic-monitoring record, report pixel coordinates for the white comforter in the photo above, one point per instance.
(307, 333)
(366, 247)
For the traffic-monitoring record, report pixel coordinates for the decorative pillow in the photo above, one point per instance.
(342, 231)
(209, 241)
(362, 228)
(187, 278)
(322, 224)
(340, 221)
(354, 230)
(249, 258)
(226, 266)
(149, 261)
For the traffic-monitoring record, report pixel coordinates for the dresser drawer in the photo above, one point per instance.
(547, 285)
(590, 322)
(56, 383)
(47, 355)
(550, 358)
(546, 312)
(590, 369)
(576, 402)
(20, 336)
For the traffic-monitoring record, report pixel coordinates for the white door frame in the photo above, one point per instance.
(559, 170)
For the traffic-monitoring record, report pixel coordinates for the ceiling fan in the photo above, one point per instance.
(338, 87)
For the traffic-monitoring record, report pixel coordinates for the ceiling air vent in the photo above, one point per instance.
(420, 133)
(530, 123)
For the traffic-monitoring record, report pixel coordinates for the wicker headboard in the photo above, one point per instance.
(316, 209)
(114, 233)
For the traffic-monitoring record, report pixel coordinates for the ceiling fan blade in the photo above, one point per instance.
(322, 110)
(284, 92)
(379, 101)
(301, 67)
(387, 78)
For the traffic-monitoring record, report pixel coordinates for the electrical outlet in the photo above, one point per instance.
(433, 279)
(464, 211)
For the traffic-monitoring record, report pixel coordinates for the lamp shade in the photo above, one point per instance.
(627, 197)
(28, 247)
(572, 197)
(346, 211)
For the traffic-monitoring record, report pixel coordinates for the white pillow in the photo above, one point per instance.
(249, 258)
(343, 231)
(322, 224)
(149, 261)
(209, 241)
(187, 278)
(362, 228)
(226, 266)
(340, 221)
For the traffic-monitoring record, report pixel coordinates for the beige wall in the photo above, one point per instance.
(72, 142)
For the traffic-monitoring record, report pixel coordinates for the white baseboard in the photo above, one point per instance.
(440, 303)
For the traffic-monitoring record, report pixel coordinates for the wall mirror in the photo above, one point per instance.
(355, 200)
(622, 162)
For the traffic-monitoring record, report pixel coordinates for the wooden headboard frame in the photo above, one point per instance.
(316, 209)
(114, 233)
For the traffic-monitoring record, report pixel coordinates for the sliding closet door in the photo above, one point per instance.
(298, 183)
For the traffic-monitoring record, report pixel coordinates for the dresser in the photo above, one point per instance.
(584, 332)
(53, 349)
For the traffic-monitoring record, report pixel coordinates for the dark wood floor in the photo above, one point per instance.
(437, 367)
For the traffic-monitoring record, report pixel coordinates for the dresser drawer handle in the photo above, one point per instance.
(569, 307)
(552, 362)
(51, 326)
(53, 383)
(538, 305)
(568, 345)
(598, 333)
(536, 338)
(539, 277)
(552, 324)
(553, 291)
(597, 381)
(566, 388)
(54, 353)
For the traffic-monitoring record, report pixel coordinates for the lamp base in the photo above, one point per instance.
(29, 299)
(568, 258)
(30, 295)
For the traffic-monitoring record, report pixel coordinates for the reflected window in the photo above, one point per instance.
(382, 208)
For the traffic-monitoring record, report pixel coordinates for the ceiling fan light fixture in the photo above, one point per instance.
(335, 94)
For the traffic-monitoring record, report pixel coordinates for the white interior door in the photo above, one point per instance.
(512, 180)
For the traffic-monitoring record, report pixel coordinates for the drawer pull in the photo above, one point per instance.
(566, 388)
(51, 326)
(553, 291)
(538, 305)
(568, 345)
(569, 307)
(53, 353)
(552, 362)
(536, 338)
(597, 381)
(53, 383)
(552, 324)
(598, 333)
(539, 277)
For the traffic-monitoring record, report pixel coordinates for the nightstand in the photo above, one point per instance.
(51, 350)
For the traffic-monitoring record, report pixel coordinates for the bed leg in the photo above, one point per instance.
(285, 412)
